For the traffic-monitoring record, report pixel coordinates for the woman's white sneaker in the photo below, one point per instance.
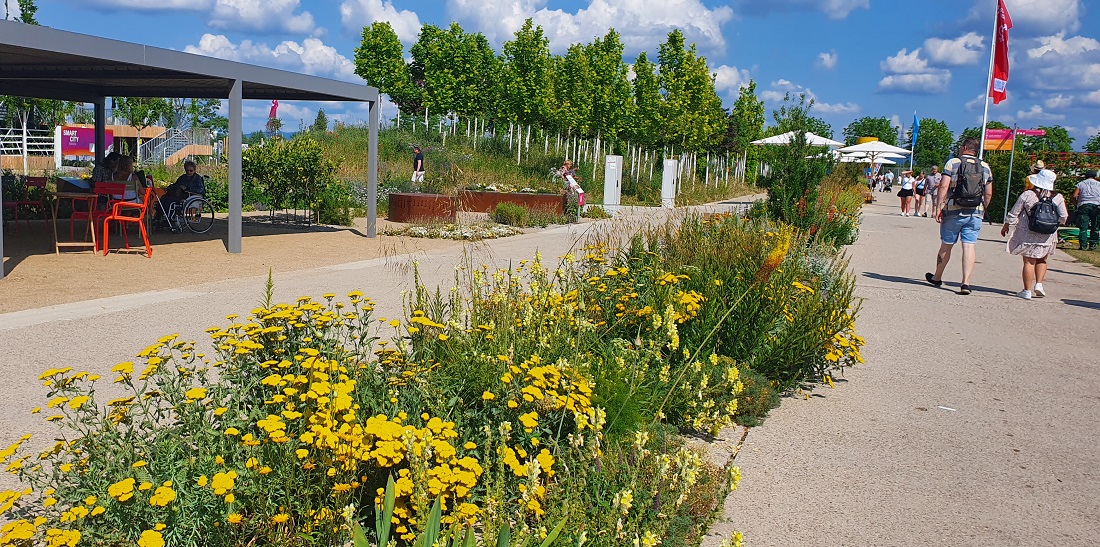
(1039, 292)
(1025, 294)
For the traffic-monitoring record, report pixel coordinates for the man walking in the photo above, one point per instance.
(418, 165)
(932, 191)
(965, 190)
(1087, 196)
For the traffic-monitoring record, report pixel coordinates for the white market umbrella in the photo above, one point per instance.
(860, 159)
(874, 151)
(868, 155)
(811, 139)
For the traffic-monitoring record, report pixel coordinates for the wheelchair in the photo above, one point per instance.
(193, 213)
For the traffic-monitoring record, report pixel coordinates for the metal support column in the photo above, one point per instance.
(233, 244)
(100, 130)
(372, 169)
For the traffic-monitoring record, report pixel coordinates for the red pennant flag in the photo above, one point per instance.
(274, 107)
(997, 88)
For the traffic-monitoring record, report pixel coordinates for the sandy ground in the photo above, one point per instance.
(37, 277)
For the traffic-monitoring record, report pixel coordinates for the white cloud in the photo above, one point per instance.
(312, 56)
(1033, 16)
(919, 84)
(262, 16)
(1058, 101)
(905, 62)
(964, 50)
(356, 14)
(1092, 98)
(729, 80)
(977, 103)
(836, 108)
(641, 23)
(1059, 45)
(1036, 113)
(835, 9)
(828, 60)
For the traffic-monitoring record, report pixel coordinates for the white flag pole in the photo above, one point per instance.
(988, 84)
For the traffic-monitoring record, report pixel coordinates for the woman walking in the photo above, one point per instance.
(920, 190)
(1034, 247)
(906, 192)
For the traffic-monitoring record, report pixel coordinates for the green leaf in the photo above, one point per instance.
(505, 537)
(383, 516)
(553, 535)
(359, 537)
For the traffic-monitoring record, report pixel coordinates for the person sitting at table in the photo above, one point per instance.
(187, 184)
(124, 172)
(105, 170)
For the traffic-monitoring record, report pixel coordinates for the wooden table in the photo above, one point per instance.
(92, 200)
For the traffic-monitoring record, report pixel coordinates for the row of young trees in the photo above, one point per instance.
(586, 92)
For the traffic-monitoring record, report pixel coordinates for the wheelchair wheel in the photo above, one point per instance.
(198, 215)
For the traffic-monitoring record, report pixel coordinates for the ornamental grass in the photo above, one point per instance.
(538, 405)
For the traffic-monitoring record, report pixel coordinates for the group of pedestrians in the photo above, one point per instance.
(962, 195)
(919, 192)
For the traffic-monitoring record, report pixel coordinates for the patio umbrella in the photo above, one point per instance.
(811, 139)
(862, 159)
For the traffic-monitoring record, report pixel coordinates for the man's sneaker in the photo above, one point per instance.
(932, 279)
(964, 289)
(1025, 294)
(1039, 292)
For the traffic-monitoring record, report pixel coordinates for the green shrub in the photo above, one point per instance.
(334, 205)
(595, 211)
(510, 214)
(757, 399)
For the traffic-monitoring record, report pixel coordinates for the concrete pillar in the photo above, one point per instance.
(100, 130)
(612, 182)
(668, 184)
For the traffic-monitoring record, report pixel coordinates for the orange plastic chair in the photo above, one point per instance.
(109, 189)
(118, 213)
(40, 203)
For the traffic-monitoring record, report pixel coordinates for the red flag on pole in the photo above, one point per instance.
(997, 88)
(274, 107)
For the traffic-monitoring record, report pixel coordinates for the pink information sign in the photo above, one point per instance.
(78, 143)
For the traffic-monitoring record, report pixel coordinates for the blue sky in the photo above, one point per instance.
(855, 57)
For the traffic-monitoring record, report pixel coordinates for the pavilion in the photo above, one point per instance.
(46, 63)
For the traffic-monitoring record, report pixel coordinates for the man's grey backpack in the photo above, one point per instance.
(1043, 217)
(969, 183)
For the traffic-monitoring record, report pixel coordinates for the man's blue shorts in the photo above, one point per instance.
(962, 224)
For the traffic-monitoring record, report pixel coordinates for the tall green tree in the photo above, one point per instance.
(320, 123)
(646, 120)
(746, 124)
(380, 60)
(868, 126)
(819, 127)
(611, 103)
(525, 76)
(1093, 145)
(693, 112)
(574, 88)
(934, 141)
(797, 169)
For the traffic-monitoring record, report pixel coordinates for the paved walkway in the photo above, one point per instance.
(972, 423)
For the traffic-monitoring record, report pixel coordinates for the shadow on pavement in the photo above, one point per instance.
(1081, 303)
(896, 279)
(1072, 273)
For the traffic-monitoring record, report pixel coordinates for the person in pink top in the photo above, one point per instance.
(1034, 247)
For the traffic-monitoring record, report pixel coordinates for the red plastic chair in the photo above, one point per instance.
(118, 213)
(40, 203)
(109, 189)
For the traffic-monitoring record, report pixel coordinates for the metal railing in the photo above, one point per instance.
(163, 146)
(40, 142)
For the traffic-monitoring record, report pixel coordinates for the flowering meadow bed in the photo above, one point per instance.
(464, 232)
(535, 406)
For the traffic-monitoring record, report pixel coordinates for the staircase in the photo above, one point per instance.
(174, 144)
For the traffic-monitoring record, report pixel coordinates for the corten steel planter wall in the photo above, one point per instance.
(421, 207)
(484, 202)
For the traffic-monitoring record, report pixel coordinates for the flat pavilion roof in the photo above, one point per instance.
(46, 63)
(54, 64)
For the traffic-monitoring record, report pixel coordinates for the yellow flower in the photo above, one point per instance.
(233, 518)
(123, 368)
(488, 396)
(220, 410)
(151, 538)
(162, 496)
(90, 500)
(280, 518)
(201, 481)
(231, 431)
(78, 402)
(195, 393)
(469, 446)
(137, 464)
(145, 486)
(122, 490)
(230, 498)
(223, 482)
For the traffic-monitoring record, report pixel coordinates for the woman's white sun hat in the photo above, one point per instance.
(1043, 180)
